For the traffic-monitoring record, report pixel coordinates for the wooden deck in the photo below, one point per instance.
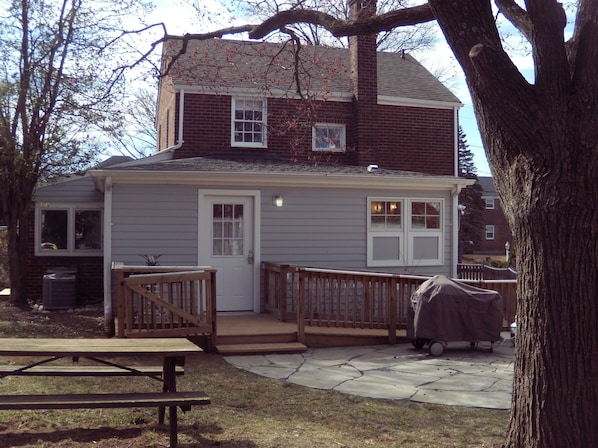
(262, 333)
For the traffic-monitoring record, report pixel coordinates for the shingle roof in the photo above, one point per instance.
(221, 64)
(487, 184)
(253, 163)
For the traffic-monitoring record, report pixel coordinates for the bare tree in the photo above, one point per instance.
(132, 131)
(57, 85)
(541, 140)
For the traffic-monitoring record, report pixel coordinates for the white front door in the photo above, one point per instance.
(226, 243)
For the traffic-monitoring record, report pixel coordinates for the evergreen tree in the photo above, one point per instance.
(471, 204)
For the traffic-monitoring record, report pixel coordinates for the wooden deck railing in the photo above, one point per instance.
(474, 271)
(353, 299)
(165, 301)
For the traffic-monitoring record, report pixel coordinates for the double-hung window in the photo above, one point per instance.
(489, 203)
(328, 137)
(68, 230)
(248, 122)
(404, 232)
(489, 232)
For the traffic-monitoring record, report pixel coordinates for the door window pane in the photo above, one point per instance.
(227, 228)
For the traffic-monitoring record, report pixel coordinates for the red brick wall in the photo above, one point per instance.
(89, 277)
(416, 139)
(502, 233)
(408, 138)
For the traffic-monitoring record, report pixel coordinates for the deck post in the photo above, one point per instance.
(282, 292)
(392, 311)
(212, 339)
(301, 309)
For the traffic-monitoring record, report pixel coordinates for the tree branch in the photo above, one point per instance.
(338, 28)
(517, 16)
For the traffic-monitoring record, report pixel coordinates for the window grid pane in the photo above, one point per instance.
(227, 228)
(329, 137)
(249, 121)
(425, 215)
(386, 215)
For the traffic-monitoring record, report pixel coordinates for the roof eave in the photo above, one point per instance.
(261, 179)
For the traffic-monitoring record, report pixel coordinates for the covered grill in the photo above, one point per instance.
(443, 310)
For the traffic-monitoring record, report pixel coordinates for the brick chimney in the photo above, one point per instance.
(364, 77)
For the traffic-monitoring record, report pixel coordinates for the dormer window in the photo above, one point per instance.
(248, 124)
(328, 137)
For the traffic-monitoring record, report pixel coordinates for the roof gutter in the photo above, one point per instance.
(261, 180)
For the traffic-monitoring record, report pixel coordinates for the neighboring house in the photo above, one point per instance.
(354, 169)
(496, 230)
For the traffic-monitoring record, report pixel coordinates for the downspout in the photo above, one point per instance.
(456, 220)
(456, 143)
(179, 142)
(108, 311)
(455, 194)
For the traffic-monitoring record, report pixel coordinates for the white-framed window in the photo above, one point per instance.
(490, 232)
(329, 137)
(489, 203)
(248, 122)
(405, 232)
(62, 229)
(386, 234)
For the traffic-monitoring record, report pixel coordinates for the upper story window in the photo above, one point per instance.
(248, 127)
(68, 230)
(489, 232)
(490, 204)
(328, 137)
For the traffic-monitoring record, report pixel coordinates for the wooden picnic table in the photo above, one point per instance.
(172, 351)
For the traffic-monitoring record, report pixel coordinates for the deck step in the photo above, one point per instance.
(261, 348)
(252, 339)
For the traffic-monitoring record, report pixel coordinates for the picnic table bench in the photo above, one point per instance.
(171, 350)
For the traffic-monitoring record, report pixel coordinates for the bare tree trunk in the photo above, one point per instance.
(18, 228)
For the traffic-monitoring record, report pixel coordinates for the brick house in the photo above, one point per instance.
(496, 228)
(348, 162)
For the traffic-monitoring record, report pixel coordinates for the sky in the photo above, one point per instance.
(180, 18)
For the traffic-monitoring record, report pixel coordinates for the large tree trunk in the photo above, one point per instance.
(541, 140)
(555, 398)
(17, 192)
(17, 250)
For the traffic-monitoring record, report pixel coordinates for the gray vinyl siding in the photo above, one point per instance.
(154, 220)
(328, 228)
(315, 227)
(76, 190)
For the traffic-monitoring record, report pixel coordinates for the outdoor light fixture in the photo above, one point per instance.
(277, 201)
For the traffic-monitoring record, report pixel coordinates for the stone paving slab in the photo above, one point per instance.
(461, 376)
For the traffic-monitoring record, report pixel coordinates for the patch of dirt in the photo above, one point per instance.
(77, 322)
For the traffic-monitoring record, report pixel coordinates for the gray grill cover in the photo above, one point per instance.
(446, 310)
